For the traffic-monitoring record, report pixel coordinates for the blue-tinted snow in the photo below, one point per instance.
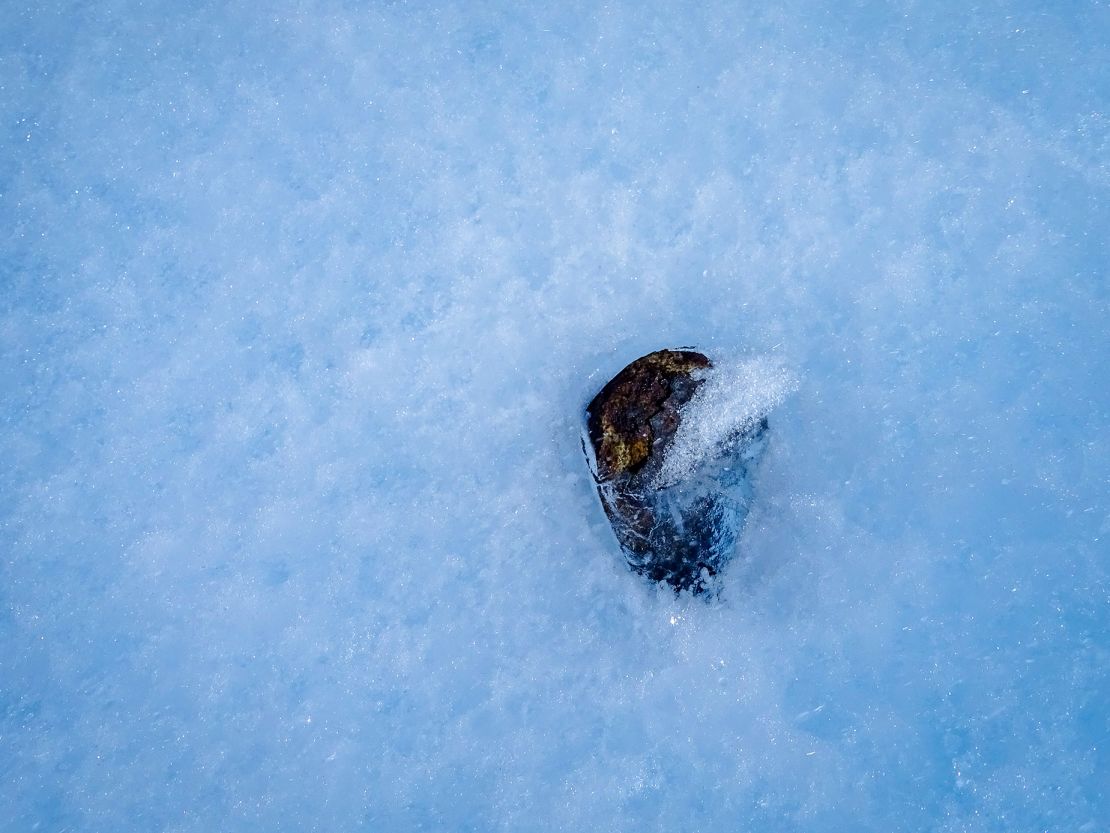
(299, 307)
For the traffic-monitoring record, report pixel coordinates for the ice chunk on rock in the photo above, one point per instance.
(734, 400)
(675, 439)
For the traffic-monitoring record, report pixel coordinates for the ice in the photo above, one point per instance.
(300, 306)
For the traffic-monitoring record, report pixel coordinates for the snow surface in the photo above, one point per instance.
(300, 304)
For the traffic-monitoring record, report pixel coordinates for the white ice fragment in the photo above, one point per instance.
(736, 394)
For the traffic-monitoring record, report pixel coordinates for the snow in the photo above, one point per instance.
(300, 305)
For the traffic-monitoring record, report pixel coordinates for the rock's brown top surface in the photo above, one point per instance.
(638, 409)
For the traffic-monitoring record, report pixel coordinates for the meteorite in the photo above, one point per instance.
(675, 444)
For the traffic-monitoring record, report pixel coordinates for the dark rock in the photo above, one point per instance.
(680, 532)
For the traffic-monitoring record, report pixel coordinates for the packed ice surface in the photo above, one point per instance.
(300, 304)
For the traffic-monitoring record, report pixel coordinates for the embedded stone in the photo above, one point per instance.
(673, 472)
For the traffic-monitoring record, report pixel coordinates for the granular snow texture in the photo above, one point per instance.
(300, 306)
